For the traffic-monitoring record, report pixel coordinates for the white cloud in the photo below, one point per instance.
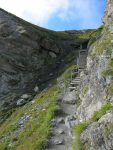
(36, 11)
(41, 11)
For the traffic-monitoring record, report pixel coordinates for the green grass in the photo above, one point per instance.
(100, 46)
(78, 130)
(109, 70)
(66, 76)
(37, 129)
(103, 44)
(95, 35)
(81, 127)
(87, 35)
(86, 88)
(110, 88)
(98, 114)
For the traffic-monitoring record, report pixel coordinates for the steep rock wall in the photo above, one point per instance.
(109, 12)
(96, 92)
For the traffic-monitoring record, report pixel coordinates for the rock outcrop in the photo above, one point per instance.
(95, 128)
(109, 12)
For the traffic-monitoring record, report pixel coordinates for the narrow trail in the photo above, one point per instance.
(62, 136)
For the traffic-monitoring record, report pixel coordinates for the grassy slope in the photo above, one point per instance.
(37, 129)
(102, 43)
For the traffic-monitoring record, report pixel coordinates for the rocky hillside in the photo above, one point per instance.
(95, 111)
(31, 58)
(39, 108)
(109, 12)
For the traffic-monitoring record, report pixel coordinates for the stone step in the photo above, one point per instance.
(72, 88)
(81, 66)
(74, 73)
(84, 54)
(76, 79)
(74, 83)
(83, 51)
(73, 79)
(80, 69)
(76, 76)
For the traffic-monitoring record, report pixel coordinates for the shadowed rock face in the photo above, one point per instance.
(30, 56)
(26, 54)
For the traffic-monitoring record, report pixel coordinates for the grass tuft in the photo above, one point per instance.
(78, 130)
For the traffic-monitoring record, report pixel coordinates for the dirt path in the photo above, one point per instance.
(62, 131)
(62, 137)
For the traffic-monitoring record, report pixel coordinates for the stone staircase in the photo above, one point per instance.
(61, 134)
(81, 65)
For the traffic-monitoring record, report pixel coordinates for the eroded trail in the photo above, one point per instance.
(62, 132)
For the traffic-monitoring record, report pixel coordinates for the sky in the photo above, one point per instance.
(58, 14)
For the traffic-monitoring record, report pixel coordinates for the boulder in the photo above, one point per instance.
(25, 96)
(20, 102)
(70, 121)
(53, 55)
(58, 142)
(70, 97)
(36, 89)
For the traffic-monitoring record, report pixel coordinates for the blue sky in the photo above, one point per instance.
(58, 14)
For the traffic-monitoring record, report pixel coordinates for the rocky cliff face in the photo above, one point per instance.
(109, 12)
(27, 54)
(96, 93)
